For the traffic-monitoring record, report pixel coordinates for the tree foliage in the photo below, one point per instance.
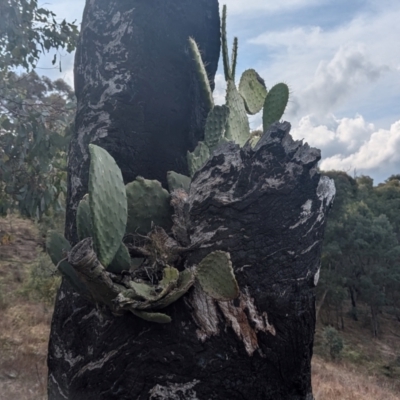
(27, 31)
(361, 252)
(35, 125)
(35, 113)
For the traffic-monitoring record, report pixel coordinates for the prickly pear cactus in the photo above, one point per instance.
(56, 246)
(252, 89)
(148, 203)
(202, 74)
(121, 261)
(275, 104)
(152, 316)
(177, 181)
(216, 126)
(84, 219)
(107, 200)
(216, 277)
(237, 127)
(251, 97)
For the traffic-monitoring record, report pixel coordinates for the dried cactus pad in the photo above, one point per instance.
(275, 104)
(177, 181)
(215, 126)
(253, 90)
(148, 203)
(84, 219)
(216, 277)
(56, 246)
(107, 200)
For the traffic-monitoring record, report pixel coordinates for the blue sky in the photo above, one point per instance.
(341, 60)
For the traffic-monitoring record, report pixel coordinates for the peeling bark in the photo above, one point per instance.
(265, 205)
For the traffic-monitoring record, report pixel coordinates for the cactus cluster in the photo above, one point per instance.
(104, 216)
(230, 122)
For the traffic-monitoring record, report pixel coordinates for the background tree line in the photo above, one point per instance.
(361, 251)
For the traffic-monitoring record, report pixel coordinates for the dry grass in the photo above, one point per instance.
(25, 327)
(24, 324)
(345, 382)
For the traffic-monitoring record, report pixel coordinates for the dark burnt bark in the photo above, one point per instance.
(266, 206)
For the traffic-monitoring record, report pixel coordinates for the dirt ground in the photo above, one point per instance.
(24, 324)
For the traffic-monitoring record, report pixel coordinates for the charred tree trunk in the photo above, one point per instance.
(265, 205)
(136, 87)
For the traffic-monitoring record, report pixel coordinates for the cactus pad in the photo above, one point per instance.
(152, 317)
(215, 126)
(275, 104)
(121, 261)
(148, 203)
(238, 128)
(198, 158)
(185, 282)
(107, 200)
(84, 219)
(252, 89)
(177, 181)
(216, 277)
(202, 74)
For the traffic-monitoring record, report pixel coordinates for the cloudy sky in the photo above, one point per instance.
(341, 60)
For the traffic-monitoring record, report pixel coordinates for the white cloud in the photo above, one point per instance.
(220, 88)
(334, 70)
(251, 6)
(335, 80)
(354, 144)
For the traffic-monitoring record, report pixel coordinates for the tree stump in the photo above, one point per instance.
(265, 205)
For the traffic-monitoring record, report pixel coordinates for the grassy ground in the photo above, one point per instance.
(369, 369)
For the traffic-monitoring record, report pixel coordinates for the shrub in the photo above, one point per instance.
(332, 342)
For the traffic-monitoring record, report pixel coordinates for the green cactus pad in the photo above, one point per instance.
(178, 181)
(252, 89)
(107, 200)
(170, 277)
(198, 157)
(202, 74)
(185, 282)
(148, 203)
(152, 317)
(238, 128)
(224, 45)
(234, 57)
(275, 104)
(150, 293)
(143, 291)
(84, 219)
(216, 277)
(215, 126)
(56, 245)
(121, 261)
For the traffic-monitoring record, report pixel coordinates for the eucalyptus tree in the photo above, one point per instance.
(35, 113)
